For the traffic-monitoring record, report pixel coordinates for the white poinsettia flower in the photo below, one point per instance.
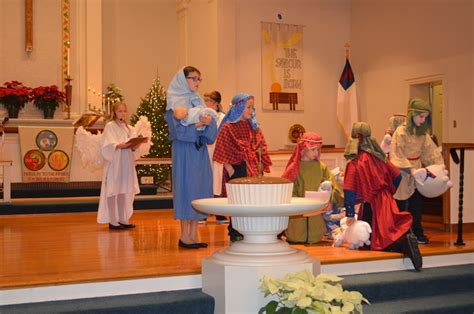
(336, 309)
(354, 297)
(297, 294)
(270, 284)
(321, 294)
(287, 303)
(298, 284)
(320, 307)
(347, 307)
(304, 275)
(304, 302)
(328, 277)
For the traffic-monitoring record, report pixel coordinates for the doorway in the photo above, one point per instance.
(431, 90)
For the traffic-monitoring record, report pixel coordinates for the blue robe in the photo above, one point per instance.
(192, 173)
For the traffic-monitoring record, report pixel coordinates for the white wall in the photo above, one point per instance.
(398, 40)
(140, 39)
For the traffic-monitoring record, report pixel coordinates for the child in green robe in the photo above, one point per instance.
(307, 172)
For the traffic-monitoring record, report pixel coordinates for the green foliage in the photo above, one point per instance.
(113, 94)
(303, 293)
(153, 106)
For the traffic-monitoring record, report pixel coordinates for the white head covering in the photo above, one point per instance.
(179, 93)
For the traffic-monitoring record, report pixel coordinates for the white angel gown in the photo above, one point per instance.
(119, 176)
(97, 152)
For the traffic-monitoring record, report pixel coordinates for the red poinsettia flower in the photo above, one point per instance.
(45, 97)
(14, 95)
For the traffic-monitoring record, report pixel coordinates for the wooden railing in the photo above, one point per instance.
(447, 151)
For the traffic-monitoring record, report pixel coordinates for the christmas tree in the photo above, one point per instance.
(153, 106)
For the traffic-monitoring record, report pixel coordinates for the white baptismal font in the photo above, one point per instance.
(259, 207)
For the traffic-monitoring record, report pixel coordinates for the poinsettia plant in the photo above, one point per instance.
(14, 96)
(304, 293)
(47, 97)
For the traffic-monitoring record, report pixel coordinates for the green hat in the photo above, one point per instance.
(417, 106)
(395, 121)
(362, 140)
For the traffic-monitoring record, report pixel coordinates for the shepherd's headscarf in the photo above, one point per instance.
(361, 140)
(308, 140)
(417, 106)
(395, 121)
(180, 95)
(234, 114)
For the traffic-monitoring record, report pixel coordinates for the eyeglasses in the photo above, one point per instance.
(210, 100)
(194, 78)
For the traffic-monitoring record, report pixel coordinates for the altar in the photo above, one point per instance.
(11, 148)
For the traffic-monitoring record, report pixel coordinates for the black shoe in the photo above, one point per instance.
(202, 244)
(188, 246)
(114, 227)
(423, 239)
(127, 226)
(412, 251)
(236, 237)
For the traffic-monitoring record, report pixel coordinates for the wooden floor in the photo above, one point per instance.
(47, 249)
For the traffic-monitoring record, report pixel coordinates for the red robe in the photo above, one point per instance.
(371, 179)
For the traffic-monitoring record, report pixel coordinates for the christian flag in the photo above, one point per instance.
(346, 109)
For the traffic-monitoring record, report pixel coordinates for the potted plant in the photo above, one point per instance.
(304, 293)
(47, 98)
(14, 96)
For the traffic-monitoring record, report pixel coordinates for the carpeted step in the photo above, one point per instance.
(452, 303)
(173, 302)
(77, 206)
(65, 189)
(407, 284)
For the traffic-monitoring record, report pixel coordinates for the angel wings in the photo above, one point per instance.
(89, 145)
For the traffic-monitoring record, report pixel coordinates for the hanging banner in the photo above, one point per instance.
(46, 153)
(282, 66)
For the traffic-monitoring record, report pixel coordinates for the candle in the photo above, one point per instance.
(93, 99)
(68, 62)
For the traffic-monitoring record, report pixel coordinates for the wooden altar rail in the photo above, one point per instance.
(14, 129)
(447, 161)
(168, 160)
(6, 180)
(154, 161)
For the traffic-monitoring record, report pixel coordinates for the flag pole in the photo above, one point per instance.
(347, 48)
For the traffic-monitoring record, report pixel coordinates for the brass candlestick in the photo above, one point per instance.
(68, 89)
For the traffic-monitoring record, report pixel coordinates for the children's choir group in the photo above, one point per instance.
(209, 148)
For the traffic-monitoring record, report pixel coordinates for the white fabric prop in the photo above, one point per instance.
(143, 128)
(385, 144)
(325, 186)
(355, 235)
(432, 181)
(89, 145)
(339, 175)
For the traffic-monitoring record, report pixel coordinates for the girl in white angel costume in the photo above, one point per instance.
(117, 155)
